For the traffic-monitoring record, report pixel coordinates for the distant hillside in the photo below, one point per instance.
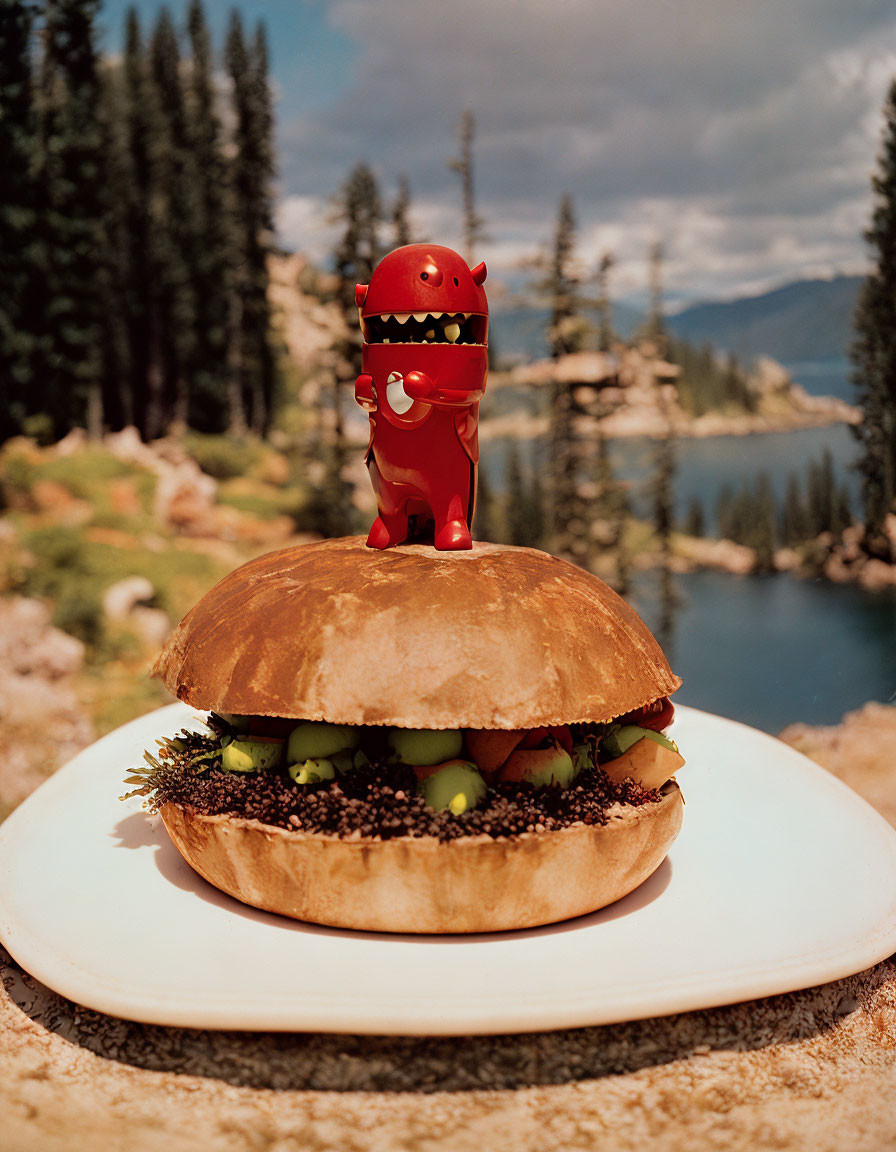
(807, 320)
(521, 333)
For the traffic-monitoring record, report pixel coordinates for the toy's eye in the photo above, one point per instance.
(431, 274)
(456, 282)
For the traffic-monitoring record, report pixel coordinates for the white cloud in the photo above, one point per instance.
(743, 135)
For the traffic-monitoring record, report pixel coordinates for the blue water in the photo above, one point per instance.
(704, 466)
(824, 377)
(769, 650)
(773, 650)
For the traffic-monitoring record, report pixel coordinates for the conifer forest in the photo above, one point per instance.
(135, 224)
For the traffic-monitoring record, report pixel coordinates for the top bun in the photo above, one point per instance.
(495, 637)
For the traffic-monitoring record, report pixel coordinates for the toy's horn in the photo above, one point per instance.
(361, 293)
(479, 273)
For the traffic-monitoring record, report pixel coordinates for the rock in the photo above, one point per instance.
(185, 498)
(890, 533)
(124, 499)
(127, 603)
(838, 570)
(876, 576)
(120, 599)
(787, 560)
(152, 625)
(59, 504)
(275, 469)
(30, 646)
(43, 722)
(721, 555)
(126, 445)
(768, 376)
(308, 327)
(71, 443)
(859, 751)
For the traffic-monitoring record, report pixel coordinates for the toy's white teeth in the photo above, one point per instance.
(423, 317)
(425, 328)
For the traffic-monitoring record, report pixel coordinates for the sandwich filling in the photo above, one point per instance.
(378, 783)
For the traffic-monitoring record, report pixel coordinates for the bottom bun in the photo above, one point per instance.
(422, 884)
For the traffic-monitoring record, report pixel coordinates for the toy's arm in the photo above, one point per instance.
(419, 386)
(365, 392)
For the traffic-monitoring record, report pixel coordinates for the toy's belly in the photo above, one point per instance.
(407, 455)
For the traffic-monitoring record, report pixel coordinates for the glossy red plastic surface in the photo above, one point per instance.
(422, 395)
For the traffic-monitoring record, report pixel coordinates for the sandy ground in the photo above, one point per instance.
(809, 1070)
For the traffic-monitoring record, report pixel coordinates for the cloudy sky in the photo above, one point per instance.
(739, 133)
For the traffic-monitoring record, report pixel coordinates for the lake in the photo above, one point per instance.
(705, 466)
(772, 650)
(824, 377)
(767, 650)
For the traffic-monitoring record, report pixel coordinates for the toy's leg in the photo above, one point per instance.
(391, 526)
(387, 530)
(452, 531)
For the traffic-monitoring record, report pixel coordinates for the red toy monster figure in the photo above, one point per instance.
(424, 316)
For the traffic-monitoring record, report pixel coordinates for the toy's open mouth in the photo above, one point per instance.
(425, 328)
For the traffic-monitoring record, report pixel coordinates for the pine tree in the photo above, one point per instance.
(252, 364)
(842, 510)
(265, 350)
(562, 286)
(794, 519)
(463, 165)
(358, 211)
(145, 230)
(874, 350)
(821, 494)
(515, 515)
(763, 526)
(19, 266)
(695, 521)
(654, 330)
(177, 223)
(568, 517)
(400, 213)
(118, 399)
(72, 173)
(535, 510)
(357, 254)
(484, 526)
(663, 491)
(605, 334)
(210, 247)
(725, 512)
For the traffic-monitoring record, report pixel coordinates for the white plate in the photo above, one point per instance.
(781, 878)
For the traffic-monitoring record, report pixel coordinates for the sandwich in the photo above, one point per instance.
(412, 740)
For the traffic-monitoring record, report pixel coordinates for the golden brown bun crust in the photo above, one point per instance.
(496, 637)
(474, 884)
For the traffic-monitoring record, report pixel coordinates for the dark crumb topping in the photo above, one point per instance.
(377, 801)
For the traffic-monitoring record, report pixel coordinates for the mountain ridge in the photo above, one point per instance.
(801, 320)
(798, 321)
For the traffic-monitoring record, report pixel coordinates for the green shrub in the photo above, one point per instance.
(223, 457)
(17, 473)
(87, 472)
(79, 611)
(62, 572)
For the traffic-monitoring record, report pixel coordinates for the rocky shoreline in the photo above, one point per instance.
(637, 396)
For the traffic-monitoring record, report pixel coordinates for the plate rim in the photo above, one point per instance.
(544, 1011)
